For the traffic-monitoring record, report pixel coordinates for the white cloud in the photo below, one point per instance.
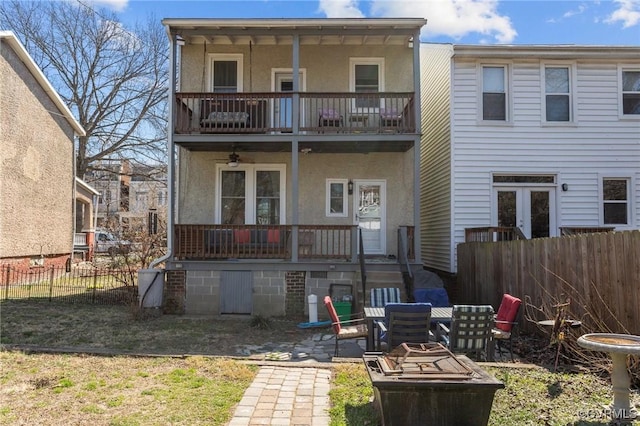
(628, 12)
(340, 8)
(453, 18)
(115, 5)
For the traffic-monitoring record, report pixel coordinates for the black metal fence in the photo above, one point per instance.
(71, 285)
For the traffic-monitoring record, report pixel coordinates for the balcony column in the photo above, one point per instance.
(295, 115)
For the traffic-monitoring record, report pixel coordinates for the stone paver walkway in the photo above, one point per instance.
(286, 396)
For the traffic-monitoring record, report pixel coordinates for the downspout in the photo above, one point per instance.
(171, 151)
(417, 156)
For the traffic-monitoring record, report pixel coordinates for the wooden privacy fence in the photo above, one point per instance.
(599, 273)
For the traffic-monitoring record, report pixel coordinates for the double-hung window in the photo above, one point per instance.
(336, 201)
(557, 100)
(226, 73)
(367, 77)
(251, 194)
(630, 91)
(615, 201)
(494, 93)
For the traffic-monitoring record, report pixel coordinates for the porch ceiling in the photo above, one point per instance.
(336, 146)
(281, 31)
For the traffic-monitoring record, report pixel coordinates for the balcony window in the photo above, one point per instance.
(226, 73)
(367, 77)
(336, 200)
(251, 194)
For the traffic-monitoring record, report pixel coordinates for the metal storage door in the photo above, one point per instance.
(236, 291)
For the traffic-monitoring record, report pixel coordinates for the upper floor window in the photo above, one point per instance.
(615, 201)
(367, 76)
(630, 91)
(226, 73)
(557, 86)
(494, 93)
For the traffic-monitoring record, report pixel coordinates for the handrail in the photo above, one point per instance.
(403, 257)
(363, 271)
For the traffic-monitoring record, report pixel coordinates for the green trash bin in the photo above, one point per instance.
(343, 309)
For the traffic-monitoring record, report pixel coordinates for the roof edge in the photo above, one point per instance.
(22, 53)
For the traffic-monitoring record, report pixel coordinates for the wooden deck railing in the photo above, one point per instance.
(575, 230)
(197, 242)
(493, 233)
(380, 112)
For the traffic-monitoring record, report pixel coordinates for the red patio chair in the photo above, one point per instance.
(505, 321)
(350, 329)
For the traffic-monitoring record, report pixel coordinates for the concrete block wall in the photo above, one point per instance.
(269, 293)
(320, 287)
(203, 292)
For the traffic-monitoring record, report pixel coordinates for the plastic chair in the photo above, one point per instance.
(350, 329)
(381, 296)
(470, 331)
(505, 321)
(329, 117)
(405, 323)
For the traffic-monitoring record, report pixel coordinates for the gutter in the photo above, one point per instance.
(171, 151)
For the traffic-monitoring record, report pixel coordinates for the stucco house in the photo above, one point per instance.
(37, 181)
(527, 142)
(294, 138)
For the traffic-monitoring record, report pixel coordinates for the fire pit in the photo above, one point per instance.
(419, 384)
(618, 346)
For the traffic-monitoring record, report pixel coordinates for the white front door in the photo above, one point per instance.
(370, 214)
(528, 208)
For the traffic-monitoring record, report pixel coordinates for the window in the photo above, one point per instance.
(494, 93)
(251, 194)
(226, 73)
(336, 198)
(557, 93)
(630, 92)
(615, 201)
(366, 76)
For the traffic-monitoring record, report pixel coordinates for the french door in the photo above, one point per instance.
(528, 208)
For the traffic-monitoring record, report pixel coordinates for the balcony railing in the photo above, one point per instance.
(194, 242)
(273, 112)
(493, 233)
(575, 230)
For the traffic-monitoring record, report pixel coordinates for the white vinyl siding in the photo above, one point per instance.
(597, 143)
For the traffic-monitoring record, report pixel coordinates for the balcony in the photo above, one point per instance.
(320, 113)
(315, 242)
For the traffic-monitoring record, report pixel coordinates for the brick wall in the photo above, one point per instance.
(174, 292)
(295, 300)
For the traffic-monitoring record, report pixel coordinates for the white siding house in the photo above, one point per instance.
(534, 137)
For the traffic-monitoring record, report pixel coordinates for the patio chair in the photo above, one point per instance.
(405, 323)
(390, 118)
(505, 321)
(350, 329)
(329, 117)
(381, 296)
(470, 331)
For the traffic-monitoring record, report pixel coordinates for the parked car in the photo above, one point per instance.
(106, 242)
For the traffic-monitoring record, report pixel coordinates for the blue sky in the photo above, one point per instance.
(594, 22)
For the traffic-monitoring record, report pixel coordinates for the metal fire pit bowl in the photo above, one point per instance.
(420, 384)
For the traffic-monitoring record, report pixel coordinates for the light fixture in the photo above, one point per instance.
(565, 187)
(234, 159)
(350, 187)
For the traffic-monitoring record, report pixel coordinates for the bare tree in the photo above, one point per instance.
(114, 79)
